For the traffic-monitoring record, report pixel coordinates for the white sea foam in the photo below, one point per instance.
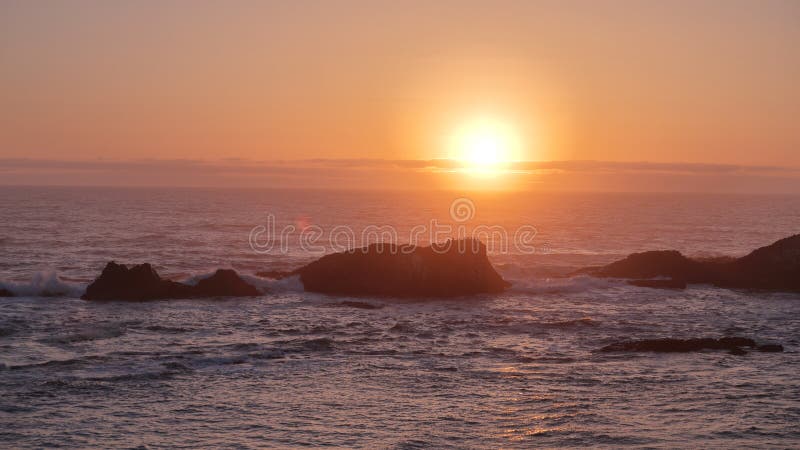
(44, 284)
(286, 284)
(576, 284)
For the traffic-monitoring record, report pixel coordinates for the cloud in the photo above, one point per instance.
(568, 166)
(399, 174)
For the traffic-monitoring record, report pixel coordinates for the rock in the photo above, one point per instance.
(6, 293)
(224, 282)
(668, 263)
(454, 268)
(141, 282)
(737, 351)
(728, 342)
(659, 284)
(774, 267)
(669, 345)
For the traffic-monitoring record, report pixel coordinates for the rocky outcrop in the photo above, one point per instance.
(141, 282)
(652, 264)
(225, 282)
(774, 267)
(454, 268)
(669, 345)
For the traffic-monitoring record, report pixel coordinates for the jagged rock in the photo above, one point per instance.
(225, 282)
(669, 345)
(774, 267)
(141, 282)
(454, 268)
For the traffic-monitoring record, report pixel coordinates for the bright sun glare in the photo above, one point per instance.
(485, 144)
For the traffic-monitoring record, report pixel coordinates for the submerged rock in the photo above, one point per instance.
(774, 267)
(454, 268)
(670, 345)
(6, 293)
(141, 282)
(770, 348)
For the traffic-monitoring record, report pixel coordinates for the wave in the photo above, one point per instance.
(12, 325)
(45, 284)
(167, 330)
(60, 364)
(168, 370)
(89, 334)
(319, 344)
(582, 322)
(50, 284)
(581, 283)
(287, 284)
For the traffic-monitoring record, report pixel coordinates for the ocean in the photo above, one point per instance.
(296, 369)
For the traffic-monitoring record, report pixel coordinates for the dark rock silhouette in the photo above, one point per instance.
(225, 282)
(668, 263)
(454, 268)
(6, 293)
(670, 345)
(774, 267)
(141, 282)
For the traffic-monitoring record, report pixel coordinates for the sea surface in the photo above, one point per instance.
(295, 369)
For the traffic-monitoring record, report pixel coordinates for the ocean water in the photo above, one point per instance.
(295, 369)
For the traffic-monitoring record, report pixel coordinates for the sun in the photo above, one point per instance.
(485, 144)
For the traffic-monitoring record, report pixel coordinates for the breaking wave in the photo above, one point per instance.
(576, 284)
(49, 284)
(287, 284)
(44, 284)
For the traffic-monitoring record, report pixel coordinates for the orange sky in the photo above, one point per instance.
(665, 82)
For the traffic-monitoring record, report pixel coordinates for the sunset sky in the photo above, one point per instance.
(310, 92)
